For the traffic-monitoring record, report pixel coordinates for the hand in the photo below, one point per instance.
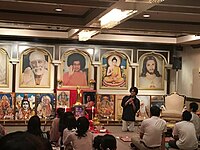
(71, 71)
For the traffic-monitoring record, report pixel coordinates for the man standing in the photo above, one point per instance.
(131, 105)
(38, 74)
(151, 132)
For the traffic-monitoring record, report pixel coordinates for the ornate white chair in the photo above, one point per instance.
(173, 107)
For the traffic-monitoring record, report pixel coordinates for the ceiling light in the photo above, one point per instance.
(85, 35)
(114, 17)
(58, 9)
(146, 15)
(156, 1)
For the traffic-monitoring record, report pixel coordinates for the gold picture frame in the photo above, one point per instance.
(35, 62)
(151, 72)
(4, 68)
(114, 71)
(75, 69)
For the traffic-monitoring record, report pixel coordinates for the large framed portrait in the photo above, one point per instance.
(151, 72)
(35, 68)
(45, 106)
(114, 71)
(105, 106)
(75, 69)
(63, 99)
(24, 106)
(6, 106)
(4, 68)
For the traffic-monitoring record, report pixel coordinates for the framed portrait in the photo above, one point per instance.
(105, 106)
(63, 99)
(75, 69)
(4, 68)
(144, 111)
(24, 106)
(79, 111)
(118, 107)
(45, 105)
(151, 72)
(89, 99)
(157, 100)
(114, 71)
(6, 106)
(35, 68)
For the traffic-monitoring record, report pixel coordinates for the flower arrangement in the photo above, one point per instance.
(92, 81)
(60, 82)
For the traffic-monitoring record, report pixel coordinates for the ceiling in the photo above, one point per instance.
(171, 21)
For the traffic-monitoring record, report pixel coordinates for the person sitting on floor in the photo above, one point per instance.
(22, 141)
(152, 132)
(82, 138)
(54, 130)
(195, 118)
(184, 134)
(108, 142)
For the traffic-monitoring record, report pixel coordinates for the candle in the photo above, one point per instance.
(92, 111)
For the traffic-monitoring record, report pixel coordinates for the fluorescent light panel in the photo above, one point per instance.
(85, 35)
(114, 17)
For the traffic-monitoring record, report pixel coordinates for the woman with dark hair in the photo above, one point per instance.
(34, 127)
(54, 130)
(76, 65)
(150, 76)
(81, 139)
(108, 142)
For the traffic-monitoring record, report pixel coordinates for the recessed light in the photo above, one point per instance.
(146, 15)
(58, 9)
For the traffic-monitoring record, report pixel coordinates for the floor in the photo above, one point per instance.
(114, 130)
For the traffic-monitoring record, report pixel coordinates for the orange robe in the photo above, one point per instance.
(76, 79)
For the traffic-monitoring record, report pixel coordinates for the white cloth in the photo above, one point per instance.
(127, 125)
(153, 129)
(196, 121)
(187, 136)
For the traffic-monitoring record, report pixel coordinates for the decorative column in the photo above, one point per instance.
(14, 62)
(56, 63)
(168, 67)
(134, 67)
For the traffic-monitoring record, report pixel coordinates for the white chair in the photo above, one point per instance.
(174, 106)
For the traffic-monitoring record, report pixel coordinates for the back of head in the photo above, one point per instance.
(97, 142)
(108, 142)
(82, 126)
(194, 107)
(186, 115)
(155, 111)
(21, 141)
(60, 112)
(34, 126)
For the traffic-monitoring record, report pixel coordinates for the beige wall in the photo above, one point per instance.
(189, 76)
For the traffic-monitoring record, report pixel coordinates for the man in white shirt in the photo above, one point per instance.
(195, 118)
(151, 132)
(184, 134)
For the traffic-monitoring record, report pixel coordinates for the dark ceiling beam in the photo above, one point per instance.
(41, 19)
(159, 27)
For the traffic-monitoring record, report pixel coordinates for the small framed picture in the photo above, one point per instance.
(79, 111)
(144, 111)
(157, 100)
(6, 106)
(24, 106)
(63, 99)
(45, 105)
(89, 99)
(105, 106)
